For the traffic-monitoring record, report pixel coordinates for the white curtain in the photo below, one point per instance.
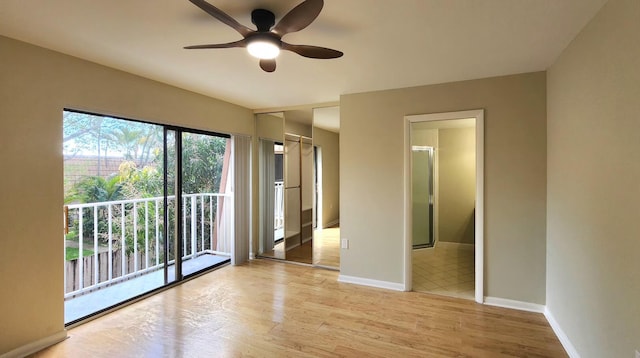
(267, 194)
(241, 153)
(225, 218)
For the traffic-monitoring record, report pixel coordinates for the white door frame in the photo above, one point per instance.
(319, 192)
(479, 214)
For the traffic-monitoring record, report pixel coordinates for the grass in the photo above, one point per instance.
(72, 253)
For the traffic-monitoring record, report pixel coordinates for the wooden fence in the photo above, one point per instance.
(72, 268)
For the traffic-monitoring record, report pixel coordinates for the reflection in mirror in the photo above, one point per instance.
(326, 234)
(270, 131)
(299, 185)
(298, 157)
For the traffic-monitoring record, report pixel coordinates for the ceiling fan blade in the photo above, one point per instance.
(268, 65)
(299, 17)
(223, 17)
(240, 43)
(312, 51)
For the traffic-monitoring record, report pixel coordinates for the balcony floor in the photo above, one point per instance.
(89, 303)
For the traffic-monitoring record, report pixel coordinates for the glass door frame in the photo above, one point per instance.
(164, 219)
(177, 232)
(178, 246)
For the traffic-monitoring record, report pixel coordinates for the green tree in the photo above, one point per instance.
(94, 189)
(202, 162)
(140, 183)
(140, 175)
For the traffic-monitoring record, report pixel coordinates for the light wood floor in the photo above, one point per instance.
(302, 253)
(273, 309)
(277, 252)
(326, 247)
(323, 250)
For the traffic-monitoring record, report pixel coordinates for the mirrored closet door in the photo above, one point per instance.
(299, 186)
(271, 192)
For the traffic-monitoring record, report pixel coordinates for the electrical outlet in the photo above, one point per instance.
(344, 244)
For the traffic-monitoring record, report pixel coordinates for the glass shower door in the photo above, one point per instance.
(422, 193)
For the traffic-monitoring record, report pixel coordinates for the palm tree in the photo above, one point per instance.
(95, 189)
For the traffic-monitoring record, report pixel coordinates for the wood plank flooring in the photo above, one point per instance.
(323, 250)
(302, 253)
(272, 309)
(326, 247)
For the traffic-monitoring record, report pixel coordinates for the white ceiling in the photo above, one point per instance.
(387, 44)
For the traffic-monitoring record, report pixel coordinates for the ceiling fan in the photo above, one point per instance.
(266, 42)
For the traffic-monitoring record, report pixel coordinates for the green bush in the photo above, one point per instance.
(72, 253)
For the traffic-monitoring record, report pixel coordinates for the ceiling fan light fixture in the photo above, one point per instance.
(265, 42)
(263, 48)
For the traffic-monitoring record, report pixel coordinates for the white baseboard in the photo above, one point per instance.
(36, 346)
(372, 283)
(513, 304)
(533, 307)
(455, 245)
(564, 339)
(331, 223)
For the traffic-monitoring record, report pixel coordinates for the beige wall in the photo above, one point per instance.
(593, 216)
(457, 184)
(270, 126)
(297, 128)
(427, 136)
(454, 178)
(35, 86)
(371, 178)
(330, 144)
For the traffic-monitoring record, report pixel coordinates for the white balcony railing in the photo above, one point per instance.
(279, 206)
(126, 237)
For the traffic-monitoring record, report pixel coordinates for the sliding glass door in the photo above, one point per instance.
(145, 206)
(206, 210)
(173, 206)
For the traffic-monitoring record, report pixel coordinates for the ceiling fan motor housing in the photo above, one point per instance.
(263, 19)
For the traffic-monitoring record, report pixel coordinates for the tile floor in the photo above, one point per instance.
(447, 269)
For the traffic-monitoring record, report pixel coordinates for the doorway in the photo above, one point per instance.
(444, 203)
(146, 206)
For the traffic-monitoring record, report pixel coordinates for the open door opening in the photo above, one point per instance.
(444, 164)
